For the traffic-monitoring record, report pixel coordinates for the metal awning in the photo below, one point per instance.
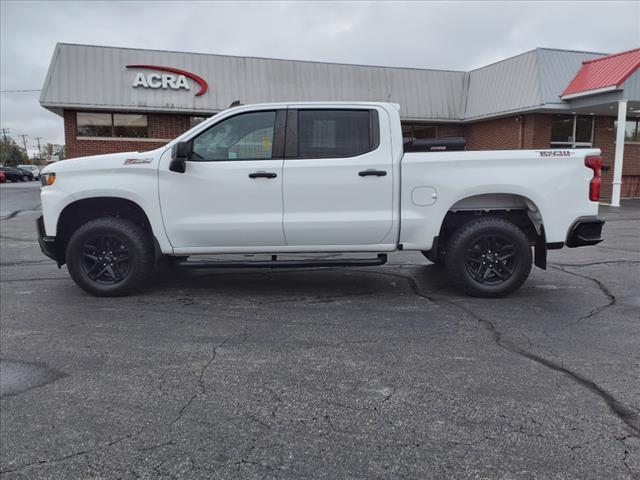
(603, 74)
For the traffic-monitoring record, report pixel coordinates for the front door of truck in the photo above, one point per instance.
(230, 194)
(338, 177)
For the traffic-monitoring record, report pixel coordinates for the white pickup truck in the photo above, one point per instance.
(303, 178)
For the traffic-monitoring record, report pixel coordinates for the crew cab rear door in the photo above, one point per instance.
(338, 176)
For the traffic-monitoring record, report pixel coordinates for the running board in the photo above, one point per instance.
(275, 263)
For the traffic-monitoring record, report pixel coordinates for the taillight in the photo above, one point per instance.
(594, 162)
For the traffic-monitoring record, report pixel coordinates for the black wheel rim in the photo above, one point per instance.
(491, 259)
(105, 259)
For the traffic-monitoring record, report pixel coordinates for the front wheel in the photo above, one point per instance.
(488, 257)
(109, 257)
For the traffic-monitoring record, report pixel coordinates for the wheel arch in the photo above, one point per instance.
(83, 210)
(518, 208)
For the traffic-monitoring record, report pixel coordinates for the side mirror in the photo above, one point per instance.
(179, 156)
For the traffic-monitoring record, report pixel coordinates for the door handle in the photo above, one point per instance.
(262, 175)
(374, 173)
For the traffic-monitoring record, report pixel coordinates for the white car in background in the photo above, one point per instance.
(33, 169)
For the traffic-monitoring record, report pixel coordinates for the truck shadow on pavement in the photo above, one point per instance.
(423, 281)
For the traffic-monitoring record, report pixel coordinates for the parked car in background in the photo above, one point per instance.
(3, 177)
(27, 175)
(33, 169)
(14, 175)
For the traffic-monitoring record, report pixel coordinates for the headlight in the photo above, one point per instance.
(47, 179)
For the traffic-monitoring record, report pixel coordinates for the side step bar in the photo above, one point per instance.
(275, 263)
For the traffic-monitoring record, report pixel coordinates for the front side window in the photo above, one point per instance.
(248, 136)
(333, 133)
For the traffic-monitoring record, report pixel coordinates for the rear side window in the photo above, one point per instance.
(336, 133)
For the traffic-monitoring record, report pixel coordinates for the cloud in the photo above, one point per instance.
(452, 35)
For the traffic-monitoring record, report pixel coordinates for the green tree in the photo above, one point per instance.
(10, 154)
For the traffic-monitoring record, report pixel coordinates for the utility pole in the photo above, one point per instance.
(39, 151)
(4, 133)
(24, 142)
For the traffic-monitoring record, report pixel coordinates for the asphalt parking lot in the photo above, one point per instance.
(366, 373)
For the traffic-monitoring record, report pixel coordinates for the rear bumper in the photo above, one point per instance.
(585, 231)
(47, 244)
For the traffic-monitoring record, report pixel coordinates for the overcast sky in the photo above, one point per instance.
(455, 36)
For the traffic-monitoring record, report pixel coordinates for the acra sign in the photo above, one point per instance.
(169, 79)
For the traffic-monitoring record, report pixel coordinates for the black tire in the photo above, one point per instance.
(488, 257)
(25, 178)
(439, 261)
(110, 257)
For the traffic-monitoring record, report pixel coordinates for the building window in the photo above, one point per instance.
(573, 131)
(413, 131)
(94, 124)
(631, 130)
(127, 125)
(121, 125)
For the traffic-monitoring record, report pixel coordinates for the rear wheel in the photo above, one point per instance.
(109, 257)
(488, 257)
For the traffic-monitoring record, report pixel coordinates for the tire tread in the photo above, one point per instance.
(139, 273)
(458, 276)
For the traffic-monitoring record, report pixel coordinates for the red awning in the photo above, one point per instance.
(603, 74)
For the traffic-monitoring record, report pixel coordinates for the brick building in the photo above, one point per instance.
(118, 99)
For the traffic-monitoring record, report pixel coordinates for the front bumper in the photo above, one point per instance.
(47, 244)
(585, 231)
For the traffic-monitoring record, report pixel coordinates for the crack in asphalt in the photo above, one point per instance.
(603, 262)
(39, 279)
(611, 298)
(627, 414)
(201, 386)
(24, 262)
(16, 212)
(74, 454)
(634, 475)
(16, 239)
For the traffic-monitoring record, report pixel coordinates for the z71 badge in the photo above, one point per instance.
(135, 161)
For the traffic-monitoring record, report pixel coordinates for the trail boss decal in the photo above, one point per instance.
(555, 153)
(136, 161)
(173, 79)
